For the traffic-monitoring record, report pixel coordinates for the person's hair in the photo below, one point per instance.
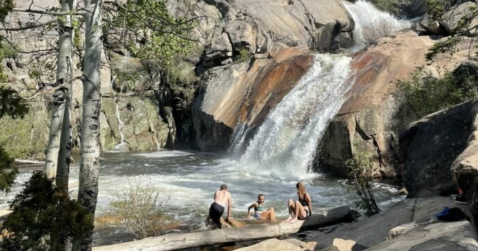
(223, 187)
(301, 189)
(258, 196)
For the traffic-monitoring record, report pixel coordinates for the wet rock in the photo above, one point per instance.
(369, 121)
(365, 121)
(243, 93)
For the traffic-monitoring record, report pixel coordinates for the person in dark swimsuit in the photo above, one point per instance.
(222, 198)
(259, 212)
(302, 208)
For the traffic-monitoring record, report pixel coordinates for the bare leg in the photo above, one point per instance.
(272, 214)
(299, 209)
(291, 206)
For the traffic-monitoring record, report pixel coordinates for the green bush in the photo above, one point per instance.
(7, 170)
(360, 171)
(140, 210)
(244, 55)
(43, 218)
(423, 94)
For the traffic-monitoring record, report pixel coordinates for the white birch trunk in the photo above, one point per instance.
(90, 124)
(60, 95)
(65, 57)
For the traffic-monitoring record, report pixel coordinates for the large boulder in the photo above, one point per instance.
(452, 19)
(428, 169)
(465, 166)
(431, 27)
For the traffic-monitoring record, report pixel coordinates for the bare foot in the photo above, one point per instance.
(293, 220)
(288, 219)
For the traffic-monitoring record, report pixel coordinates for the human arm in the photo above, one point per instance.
(229, 206)
(249, 209)
(309, 203)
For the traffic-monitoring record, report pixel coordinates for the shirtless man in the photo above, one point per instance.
(221, 198)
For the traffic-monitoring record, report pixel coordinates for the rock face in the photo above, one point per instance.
(244, 92)
(428, 169)
(465, 166)
(368, 121)
(138, 120)
(436, 236)
(236, 27)
(455, 13)
(413, 8)
(451, 20)
(365, 121)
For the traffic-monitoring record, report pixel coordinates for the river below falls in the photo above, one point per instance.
(186, 182)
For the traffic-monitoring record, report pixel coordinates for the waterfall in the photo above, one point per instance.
(122, 146)
(286, 143)
(371, 23)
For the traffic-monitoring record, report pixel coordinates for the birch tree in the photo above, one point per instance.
(90, 126)
(65, 71)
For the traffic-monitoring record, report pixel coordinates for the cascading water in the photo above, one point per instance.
(122, 146)
(286, 142)
(371, 23)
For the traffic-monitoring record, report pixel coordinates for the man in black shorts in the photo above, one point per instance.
(221, 199)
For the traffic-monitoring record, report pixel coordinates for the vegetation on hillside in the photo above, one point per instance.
(12, 106)
(423, 94)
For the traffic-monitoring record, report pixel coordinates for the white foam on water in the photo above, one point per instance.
(286, 143)
(366, 16)
(164, 154)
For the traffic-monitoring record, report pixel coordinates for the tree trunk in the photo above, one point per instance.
(205, 238)
(90, 126)
(60, 95)
(66, 59)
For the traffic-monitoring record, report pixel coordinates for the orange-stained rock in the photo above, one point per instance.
(245, 93)
(366, 121)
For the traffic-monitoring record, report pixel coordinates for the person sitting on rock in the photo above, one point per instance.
(221, 199)
(302, 208)
(259, 212)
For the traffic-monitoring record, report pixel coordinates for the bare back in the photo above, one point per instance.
(223, 198)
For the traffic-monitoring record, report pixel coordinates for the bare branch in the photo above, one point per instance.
(27, 27)
(52, 13)
(25, 52)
